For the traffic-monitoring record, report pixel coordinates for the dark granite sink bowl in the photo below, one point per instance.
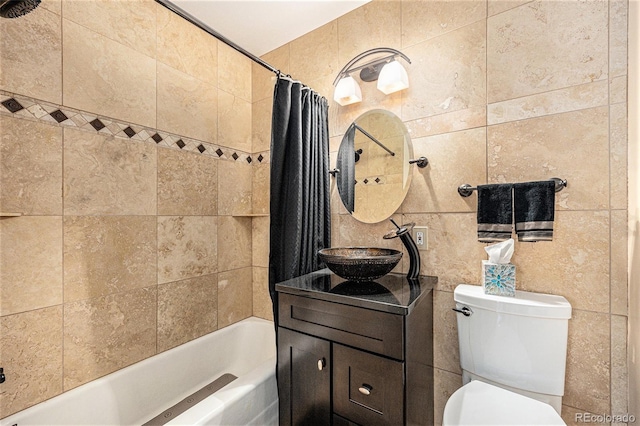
(360, 263)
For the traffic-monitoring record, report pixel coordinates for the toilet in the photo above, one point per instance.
(513, 355)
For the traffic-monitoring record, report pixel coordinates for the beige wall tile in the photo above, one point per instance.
(187, 183)
(31, 357)
(575, 265)
(445, 384)
(30, 66)
(105, 175)
(425, 19)
(618, 37)
(234, 72)
(357, 234)
(315, 54)
(545, 45)
(53, 6)
(433, 189)
(261, 189)
(557, 101)
(334, 144)
(447, 73)
(262, 306)
(234, 122)
(335, 230)
(186, 48)
(448, 122)
(446, 350)
(261, 124)
(31, 167)
(234, 188)
(30, 263)
(341, 117)
(108, 254)
(570, 146)
(378, 23)
(260, 241)
(618, 155)
(619, 376)
(187, 310)
(618, 89)
(588, 363)
(235, 297)
(619, 256)
(187, 247)
(263, 80)
(104, 334)
(96, 78)
(454, 254)
(186, 105)
(234, 242)
(498, 6)
(130, 22)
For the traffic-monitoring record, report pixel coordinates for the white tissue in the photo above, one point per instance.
(500, 252)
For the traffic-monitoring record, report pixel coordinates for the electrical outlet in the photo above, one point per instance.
(420, 237)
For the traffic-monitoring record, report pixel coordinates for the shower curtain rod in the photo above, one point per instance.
(198, 23)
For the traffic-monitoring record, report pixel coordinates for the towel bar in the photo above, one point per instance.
(465, 190)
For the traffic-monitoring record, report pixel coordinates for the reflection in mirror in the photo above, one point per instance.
(373, 163)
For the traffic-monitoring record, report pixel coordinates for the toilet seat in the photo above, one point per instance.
(479, 403)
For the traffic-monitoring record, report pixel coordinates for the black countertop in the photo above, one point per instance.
(392, 293)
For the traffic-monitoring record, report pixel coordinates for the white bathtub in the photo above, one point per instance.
(136, 394)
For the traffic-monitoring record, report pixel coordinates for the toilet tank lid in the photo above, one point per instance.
(524, 303)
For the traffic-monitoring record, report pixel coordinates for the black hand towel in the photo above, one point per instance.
(495, 214)
(534, 206)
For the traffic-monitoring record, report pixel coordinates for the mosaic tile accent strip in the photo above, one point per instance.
(12, 105)
(374, 180)
(59, 116)
(32, 109)
(97, 124)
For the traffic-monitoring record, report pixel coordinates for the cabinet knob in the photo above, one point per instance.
(321, 364)
(365, 389)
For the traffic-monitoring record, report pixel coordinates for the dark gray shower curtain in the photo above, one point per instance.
(346, 164)
(299, 206)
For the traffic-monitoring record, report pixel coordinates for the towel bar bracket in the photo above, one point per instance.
(465, 190)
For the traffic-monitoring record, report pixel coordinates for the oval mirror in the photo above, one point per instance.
(373, 166)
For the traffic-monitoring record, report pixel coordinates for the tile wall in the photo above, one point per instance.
(501, 91)
(125, 142)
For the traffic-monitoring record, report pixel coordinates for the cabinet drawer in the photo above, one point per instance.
(374, 331)
(367, 389)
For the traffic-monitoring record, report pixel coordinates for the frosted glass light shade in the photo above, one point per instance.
(393, 78)
(347, 91)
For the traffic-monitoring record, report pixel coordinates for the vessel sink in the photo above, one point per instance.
(360, 263)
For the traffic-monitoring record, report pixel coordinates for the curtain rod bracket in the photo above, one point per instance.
(421, 162)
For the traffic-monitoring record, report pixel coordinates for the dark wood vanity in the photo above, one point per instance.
(355, 353)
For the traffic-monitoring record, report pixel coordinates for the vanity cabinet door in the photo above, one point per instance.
(304, 379)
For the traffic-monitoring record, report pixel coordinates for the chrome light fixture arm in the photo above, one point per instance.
(347, 69)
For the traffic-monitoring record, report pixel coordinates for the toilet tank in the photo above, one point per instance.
(518, 342)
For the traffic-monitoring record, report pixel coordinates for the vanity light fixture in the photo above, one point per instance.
(391, 75)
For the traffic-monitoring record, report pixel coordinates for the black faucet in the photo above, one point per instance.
(404, 232)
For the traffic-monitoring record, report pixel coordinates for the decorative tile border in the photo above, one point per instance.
(374, 180)
(24, 107)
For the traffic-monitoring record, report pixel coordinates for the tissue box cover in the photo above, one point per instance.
(499, 278)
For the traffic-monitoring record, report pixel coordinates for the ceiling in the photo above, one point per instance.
(260, 26)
